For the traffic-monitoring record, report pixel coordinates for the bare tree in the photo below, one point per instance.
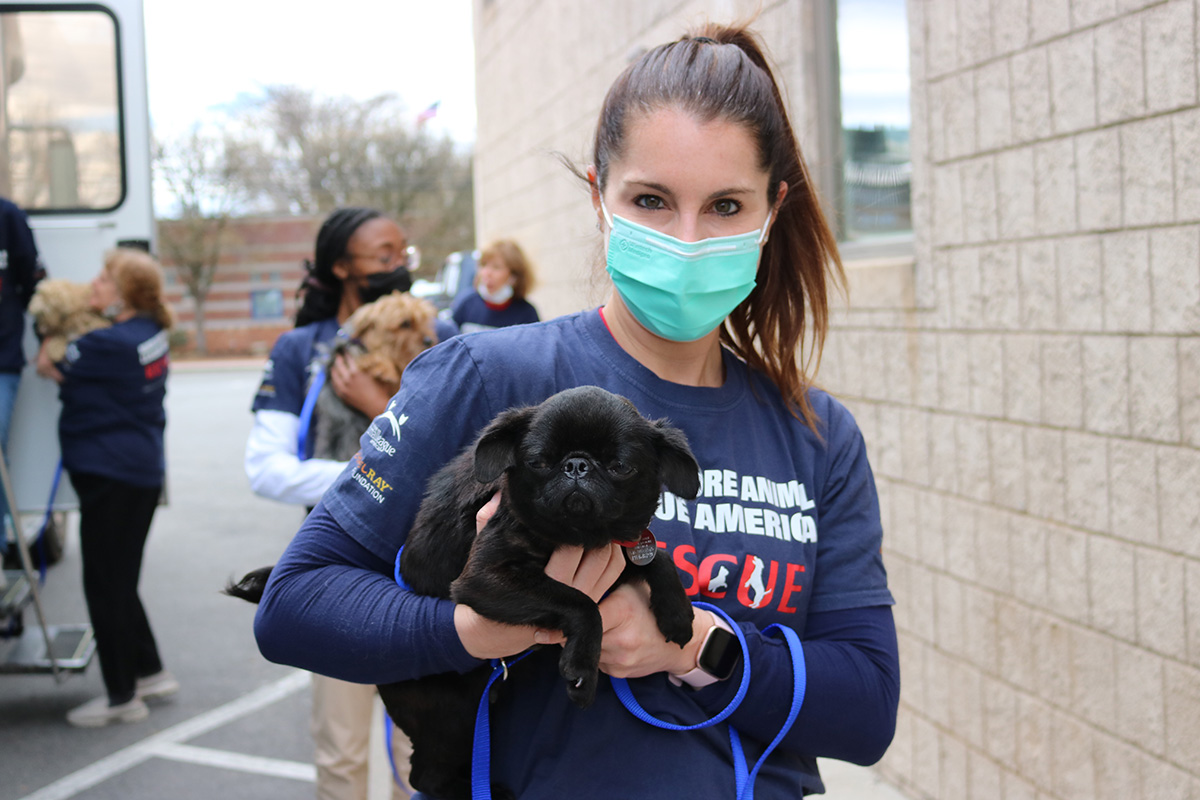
(304, 154)
(202, 173)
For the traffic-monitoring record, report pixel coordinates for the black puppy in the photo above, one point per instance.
(582, 468)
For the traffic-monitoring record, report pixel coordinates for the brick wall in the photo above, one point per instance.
(1031, 403)
(260, 254)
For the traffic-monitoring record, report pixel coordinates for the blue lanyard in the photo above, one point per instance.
(306, 411)
(743, 779)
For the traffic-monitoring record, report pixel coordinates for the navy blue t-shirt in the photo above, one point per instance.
(472, 313)
(786, 525)
(19, 271)
(112, 421)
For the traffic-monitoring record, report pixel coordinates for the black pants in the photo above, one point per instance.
(114, 520)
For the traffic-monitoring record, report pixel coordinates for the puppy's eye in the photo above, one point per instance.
(620, 468)
(537, 464)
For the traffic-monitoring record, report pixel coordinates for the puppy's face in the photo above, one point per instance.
(585, 467)
(389, 333)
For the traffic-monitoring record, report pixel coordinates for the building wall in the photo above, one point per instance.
(259, 254)
(1028, 381)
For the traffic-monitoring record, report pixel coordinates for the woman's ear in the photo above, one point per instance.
(595, 186)
(341, 269)
(783, 190)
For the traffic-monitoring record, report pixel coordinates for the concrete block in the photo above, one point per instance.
(1146, 172)
(1034, 738)
(1093, 11)
(942, 40)
(971, 435)
(1191, 582)
(1111, 577)
(926, 377)
(1094, 687)
(1134, 496)
(1141, 704)
(1106, 384)
(994, 549)
(961, 534)
(1118, 770)
(1186, 130)
(929, 517)
(1087, 481)
(1006, 445)
(979, 645)
(1161, 603)
(1015, 195)
(949, 630)
(914, 445)
(1098, 179)
(986, 354)
(974, 33)
(998, 276)
(1175, 276)
(1022, 378)
(1039, 286)
(979, 199)
(1120, 70)
(1062, 376)
(956, 370)
(1031, 95)
(1127, 306)
(1178, 500)
(1170, 47)
(1067, 551)
(1074, 773)
(1154, 388)
(1000, 715)
(1029, 548)
(993, 105)
(984, 777)
(1054, 186)
(947, 205)
(1080, 283)
(1164, 781)
(1072, 80)
(1049, 18)
(953, 768)
(943, 449)
(926, 746)
(885, 442)
(1010, 25)
(1044, 449)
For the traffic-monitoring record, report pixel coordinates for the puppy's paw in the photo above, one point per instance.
(676, 626)
(582, 688)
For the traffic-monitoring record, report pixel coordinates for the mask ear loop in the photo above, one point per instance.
(604, 211)
(766, 229)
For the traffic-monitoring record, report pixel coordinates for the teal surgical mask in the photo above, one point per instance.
(681, 290)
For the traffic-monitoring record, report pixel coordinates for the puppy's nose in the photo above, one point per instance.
(576, 467)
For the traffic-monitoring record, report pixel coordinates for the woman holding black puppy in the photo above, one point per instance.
(720, 259)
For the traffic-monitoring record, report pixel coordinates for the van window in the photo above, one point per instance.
(60, 115)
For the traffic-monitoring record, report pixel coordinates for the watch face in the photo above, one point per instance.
(720, 655)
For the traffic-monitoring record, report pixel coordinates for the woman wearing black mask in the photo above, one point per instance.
(360, 256)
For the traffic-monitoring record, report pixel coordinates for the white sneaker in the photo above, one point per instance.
(98, 713)
(160, 684)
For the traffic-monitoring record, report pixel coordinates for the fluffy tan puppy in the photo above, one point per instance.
(61, 313)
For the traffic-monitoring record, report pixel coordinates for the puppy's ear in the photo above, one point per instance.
(678, 468)
(496, 449)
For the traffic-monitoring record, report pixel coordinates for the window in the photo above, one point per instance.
(60, 120)
(873, 178)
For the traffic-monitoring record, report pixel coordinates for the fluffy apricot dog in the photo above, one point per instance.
(61, 313)
(382, 337)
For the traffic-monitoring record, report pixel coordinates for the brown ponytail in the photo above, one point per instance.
(139, 280)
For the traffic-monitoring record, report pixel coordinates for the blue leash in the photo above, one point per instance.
(306, 411)
(743, 778)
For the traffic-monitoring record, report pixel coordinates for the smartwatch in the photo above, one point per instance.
(720, 653)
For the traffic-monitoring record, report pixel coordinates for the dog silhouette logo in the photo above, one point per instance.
(754, 582)
(720, 581)
(393, 420)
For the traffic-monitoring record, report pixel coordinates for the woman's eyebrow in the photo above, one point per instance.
(661, 189)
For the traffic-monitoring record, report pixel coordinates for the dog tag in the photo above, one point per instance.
(643, 551)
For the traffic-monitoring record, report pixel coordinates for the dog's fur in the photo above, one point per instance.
(582, 468)
(61, 313)
(382, 337)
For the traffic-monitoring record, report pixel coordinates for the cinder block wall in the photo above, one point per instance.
(1032, 403)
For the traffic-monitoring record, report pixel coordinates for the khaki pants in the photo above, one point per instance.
(341, 730)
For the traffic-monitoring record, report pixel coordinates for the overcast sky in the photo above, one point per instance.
(202, 56)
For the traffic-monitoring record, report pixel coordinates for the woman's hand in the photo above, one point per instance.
(633, 646)
(45, 367)
(356, 388)
(590, 571)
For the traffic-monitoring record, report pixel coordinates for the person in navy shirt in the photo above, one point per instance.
(502, 281)
(721, 263)
(360, 256)
(112, 383)
(20, 271)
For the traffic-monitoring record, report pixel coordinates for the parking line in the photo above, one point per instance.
(135, 754)
(256, 765)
